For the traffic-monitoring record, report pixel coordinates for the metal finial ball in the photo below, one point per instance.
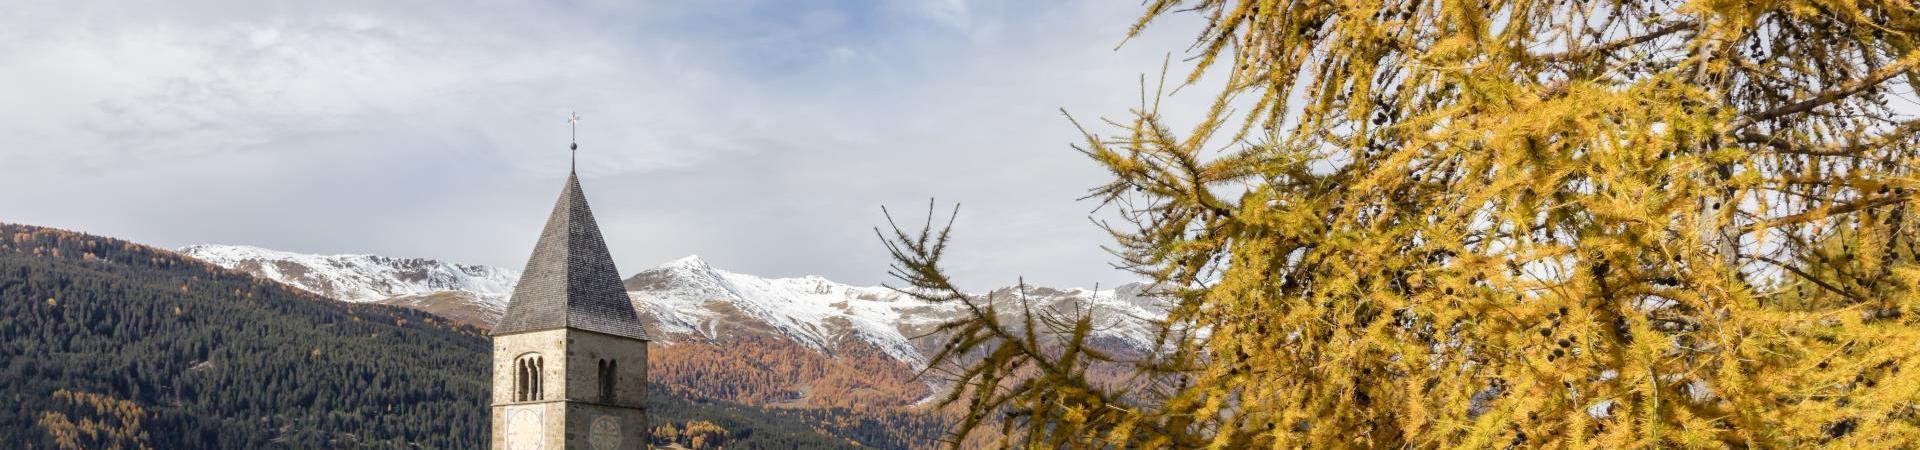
(573, 146)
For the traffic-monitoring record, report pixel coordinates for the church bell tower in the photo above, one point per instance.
(570, 355)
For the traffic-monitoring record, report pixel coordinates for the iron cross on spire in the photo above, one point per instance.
(573, 127)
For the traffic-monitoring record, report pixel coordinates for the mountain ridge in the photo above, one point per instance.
(685, 300)
(359, 278)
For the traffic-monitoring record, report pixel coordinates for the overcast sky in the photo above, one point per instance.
(762, 135)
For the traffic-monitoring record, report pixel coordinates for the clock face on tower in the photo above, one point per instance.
(605, 434)
(525, 428)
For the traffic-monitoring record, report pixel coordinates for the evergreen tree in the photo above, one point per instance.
(1490, 223)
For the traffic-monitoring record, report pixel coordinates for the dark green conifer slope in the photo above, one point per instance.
(209, 358)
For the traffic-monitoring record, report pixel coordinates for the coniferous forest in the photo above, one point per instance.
(108, 344)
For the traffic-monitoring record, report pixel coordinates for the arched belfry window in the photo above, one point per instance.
(526, 377)
(609, 377)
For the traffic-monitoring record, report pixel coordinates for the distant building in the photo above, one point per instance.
(570, 356)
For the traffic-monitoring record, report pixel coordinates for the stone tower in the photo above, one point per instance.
(570, 356)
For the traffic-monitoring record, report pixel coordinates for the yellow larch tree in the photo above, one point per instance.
(1494, 223)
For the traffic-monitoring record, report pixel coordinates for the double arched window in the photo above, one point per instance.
(526, 377)
(609, 377)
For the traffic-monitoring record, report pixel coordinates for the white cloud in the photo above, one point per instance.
(842, 54)
(953, 13)
(763, 135)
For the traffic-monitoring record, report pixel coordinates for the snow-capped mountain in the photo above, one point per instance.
(367, 278)
(687, 300)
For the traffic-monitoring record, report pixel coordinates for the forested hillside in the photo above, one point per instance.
(217, 359)
(108, 344)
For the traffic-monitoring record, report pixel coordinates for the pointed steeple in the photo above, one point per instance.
(570, 281)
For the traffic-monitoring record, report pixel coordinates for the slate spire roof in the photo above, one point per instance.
(570, 281)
